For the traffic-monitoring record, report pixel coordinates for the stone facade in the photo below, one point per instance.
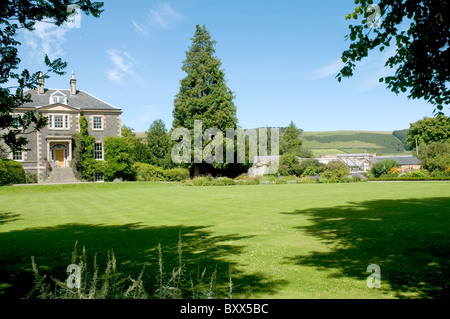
(53, 145)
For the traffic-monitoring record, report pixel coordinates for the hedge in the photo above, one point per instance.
(447, 178)
(148, 172)
(11, 172)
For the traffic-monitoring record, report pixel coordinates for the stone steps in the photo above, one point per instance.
(61, 175)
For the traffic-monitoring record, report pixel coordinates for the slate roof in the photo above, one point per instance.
(401, 159)
(82, 100)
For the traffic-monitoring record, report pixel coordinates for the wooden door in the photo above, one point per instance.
(59, 156)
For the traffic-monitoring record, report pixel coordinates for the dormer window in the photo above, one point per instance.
(58, 97)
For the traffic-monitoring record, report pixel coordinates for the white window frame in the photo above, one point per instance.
(99, 177)
(17, 156)
(65, 121)
(96, 151)
(101, 123)
(58, 99)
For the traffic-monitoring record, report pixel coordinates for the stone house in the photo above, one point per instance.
(53, 145)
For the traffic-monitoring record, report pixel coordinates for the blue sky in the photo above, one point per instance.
(280, 59)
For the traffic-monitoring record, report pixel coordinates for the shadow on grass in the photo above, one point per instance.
(7, 217)
(408, 239)
(134, 245)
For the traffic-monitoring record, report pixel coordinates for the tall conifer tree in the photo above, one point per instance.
(203, 93)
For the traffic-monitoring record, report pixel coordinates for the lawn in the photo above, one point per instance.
(280, 241)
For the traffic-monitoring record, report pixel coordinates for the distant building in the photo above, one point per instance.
(357, 163)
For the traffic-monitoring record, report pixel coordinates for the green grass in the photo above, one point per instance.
(281, 241)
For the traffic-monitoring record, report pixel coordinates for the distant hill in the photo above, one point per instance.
(350, 142)
(341, 142)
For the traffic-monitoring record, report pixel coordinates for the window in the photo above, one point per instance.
(58, 121)
(16, 122)
(17, 156)
(98, 151)
(97, 123)
(98, 177)
(58, 99)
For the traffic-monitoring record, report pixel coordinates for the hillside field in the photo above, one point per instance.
(353, 142)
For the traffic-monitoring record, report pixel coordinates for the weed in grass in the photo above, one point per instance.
(111, 286)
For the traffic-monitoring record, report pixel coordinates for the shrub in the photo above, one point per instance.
(147, 172)
(417, 173)
(383, 167)
(176, 174)
(286, 180)
(311, 167)
(335, 171)
(395, 171)
(289, 165)
(308, 180)
(11, 172)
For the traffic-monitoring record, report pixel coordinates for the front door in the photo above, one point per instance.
(59, 156)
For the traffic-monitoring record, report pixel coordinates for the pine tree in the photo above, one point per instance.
(203, 93)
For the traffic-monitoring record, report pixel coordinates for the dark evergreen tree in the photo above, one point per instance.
(203, 93)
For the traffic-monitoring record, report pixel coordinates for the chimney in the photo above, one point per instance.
(41, 83)
(73, 84)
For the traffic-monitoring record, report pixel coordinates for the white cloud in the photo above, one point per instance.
(47, 38)
(141, 29)
(162, 16)
(331, 69)
(122, 65)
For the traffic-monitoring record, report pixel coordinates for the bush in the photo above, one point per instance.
(335, 171)
(147, 172)
(383, 167)
(417, 173)
(289, 165)
(11, 172)
(176, 174)
(308, 180)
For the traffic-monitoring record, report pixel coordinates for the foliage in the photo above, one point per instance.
(335, 171)
(83, 162)
(435, 156)
(311, 167)
(401, 135)
(11, 172)
(420, 61)
(383, 167)
(406, 178)
(289, 165)
(113, 285)
(24, 14)
(139, 152)
(176, 174)
(291, 141)
(395, 171)
(203, 93)
(428, 130)
(148, 172)
(159, 143)
(417, 173)
(118, 159)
